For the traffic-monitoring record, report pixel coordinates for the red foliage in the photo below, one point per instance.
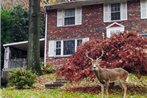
(124, 50)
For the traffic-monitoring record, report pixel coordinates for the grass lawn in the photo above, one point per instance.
(32, 93)
(83, 90)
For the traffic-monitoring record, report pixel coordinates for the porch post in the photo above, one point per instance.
(6, 57)
(45, 41)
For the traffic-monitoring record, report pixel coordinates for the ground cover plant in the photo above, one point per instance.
(125, 50)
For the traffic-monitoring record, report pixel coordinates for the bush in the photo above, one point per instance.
(125, 50)
(49, 69)
(22, 78)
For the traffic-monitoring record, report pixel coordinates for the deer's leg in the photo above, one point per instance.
(107, 87)
(102, 90)
(124, 87)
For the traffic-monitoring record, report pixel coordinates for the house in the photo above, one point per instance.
(70, 24)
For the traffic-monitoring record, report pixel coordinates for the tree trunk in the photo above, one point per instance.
(34, 33)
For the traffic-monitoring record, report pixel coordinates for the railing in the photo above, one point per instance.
(20, 62)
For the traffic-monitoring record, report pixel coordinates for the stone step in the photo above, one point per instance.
(54, 85)
(58, 83)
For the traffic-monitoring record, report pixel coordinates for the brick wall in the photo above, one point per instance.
(92, 25)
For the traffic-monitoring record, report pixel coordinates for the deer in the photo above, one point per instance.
(107, 76)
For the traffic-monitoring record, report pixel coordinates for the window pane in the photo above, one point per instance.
(69, 21)
(58, 51)
(115, 16)
(58, 48)
(79, 42)
(115, 7)
(70, 13)
(58, 44)
(115, 11)
(69, 47)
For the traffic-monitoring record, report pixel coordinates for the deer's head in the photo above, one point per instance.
(95, 62)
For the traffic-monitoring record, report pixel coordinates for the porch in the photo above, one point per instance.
(15, 55)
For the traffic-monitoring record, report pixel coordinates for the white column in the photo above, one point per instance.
(45, 41)
(6, 57)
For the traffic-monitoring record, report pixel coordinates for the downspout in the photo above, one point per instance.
(45, 48)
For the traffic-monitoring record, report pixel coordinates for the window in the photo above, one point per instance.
(143, 6)
(115, 11)
(69, 47)
(144, 34)
(114, 28)
(69, 17)
(64, 47)
(58, 47)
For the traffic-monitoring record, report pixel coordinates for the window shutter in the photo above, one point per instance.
(106, 13)
(51, 48)
(143, 5)
(124, 11)
(59, 18)
(85, 40)
(78, 16)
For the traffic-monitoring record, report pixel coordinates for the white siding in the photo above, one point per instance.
(114, 30)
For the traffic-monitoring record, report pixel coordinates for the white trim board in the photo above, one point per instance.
(18, 43)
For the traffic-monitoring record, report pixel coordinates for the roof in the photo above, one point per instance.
(79, 3)
(23, 44)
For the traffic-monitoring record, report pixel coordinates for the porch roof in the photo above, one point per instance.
(78, 3)
(22, 45)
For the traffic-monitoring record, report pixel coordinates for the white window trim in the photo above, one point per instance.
(141, 9)
(62, 41)
(107, 12)
(61, 17)
(109, 29)
(143, 34)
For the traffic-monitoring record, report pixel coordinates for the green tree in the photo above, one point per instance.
(14, 26)
(34, 33)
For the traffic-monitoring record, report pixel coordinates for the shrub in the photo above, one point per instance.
(49, 68)
(22, 78)
(125, 50)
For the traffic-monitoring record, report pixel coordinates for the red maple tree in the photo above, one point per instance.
(125, 50)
